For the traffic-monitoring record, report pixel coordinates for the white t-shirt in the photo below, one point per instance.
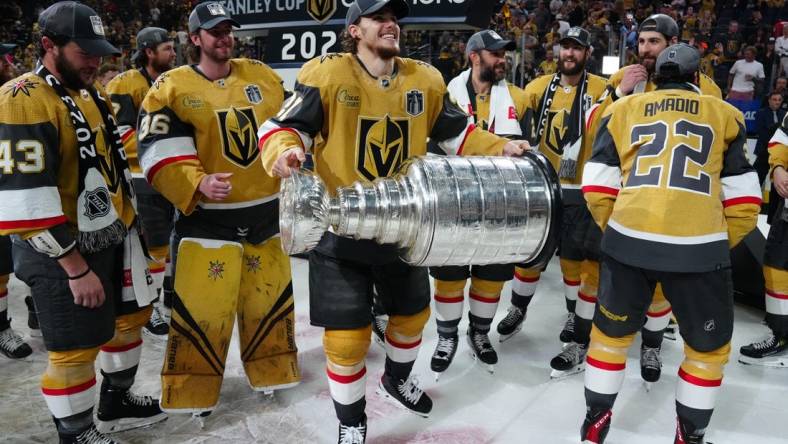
(742, 68)
(781, 46)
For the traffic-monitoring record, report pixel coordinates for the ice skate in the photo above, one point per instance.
(353, 434)
(570, 361)
(770, 352)
(91, 435)
(12, 345)
(568, 333)
(650, 365)
(595, 426)
(444, 354)
(481, 348)
(379, 324)
(511, 324)
(406, 394)
(120, 409)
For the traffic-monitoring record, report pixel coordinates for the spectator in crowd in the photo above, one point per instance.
(767, 120)
(744, 76)
(107, 72)
(549, 64)
(7, 70)
(781, 49)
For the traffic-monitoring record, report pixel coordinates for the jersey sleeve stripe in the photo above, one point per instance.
(779, 138)
(455, 145)
(126, 133)
(591, 114)
(166, 151)
(600, 189)
(604, 177)
(741, 188)
(31, 208)
(666, 238)
(269, 129)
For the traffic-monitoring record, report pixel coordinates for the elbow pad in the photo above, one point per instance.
(55, 242)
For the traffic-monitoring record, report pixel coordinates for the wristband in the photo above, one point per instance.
(80, 275)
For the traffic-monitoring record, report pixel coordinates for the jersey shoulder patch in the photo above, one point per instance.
(27, 99)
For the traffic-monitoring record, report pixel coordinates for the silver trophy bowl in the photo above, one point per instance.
(438, 210)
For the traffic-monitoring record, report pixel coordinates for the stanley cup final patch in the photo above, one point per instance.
(414, 102)
(253, 94)
(95, 23)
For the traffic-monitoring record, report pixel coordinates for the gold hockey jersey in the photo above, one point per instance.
(190, 126)
(39, 159)
(706, 84)
(126, 91)
(482, 112)
(360, 127)
(557, 128)
(669, 181)
(778, 147)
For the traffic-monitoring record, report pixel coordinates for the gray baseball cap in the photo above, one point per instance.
(489, 40)
(150, 37)
(79, 23)
(578, 35)
(207, 15)
(679, 59)
(360, 8)
(661, 23)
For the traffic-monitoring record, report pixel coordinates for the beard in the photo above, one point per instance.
(648, 62)
(579, 66)
(160, 66)
(489, 74)
(214, 55)
(387, 53)
(72, 77)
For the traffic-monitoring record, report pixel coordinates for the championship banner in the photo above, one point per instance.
(257, 14)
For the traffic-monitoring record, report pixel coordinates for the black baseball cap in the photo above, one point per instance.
(79, 23)
(207, 15)
(681, 59)
(150, 37)
(489, 40)
(661, 23)
(360, 8)
(577, 35)
(5, 48)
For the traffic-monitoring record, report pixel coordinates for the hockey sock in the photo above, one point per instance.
(449, 297)
(4, 321)
(570, 269)
(123, 379)
(347, 385)
(700, 378)
(656, 323)
(123, 351)
(75, 424)
(586, 301)
(69, 385)
(777, 300)
(605, 365)
(483, 300)
(524, 286)
(403, 338)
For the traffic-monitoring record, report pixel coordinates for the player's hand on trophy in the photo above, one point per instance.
(292, 158)
(516, 148)
(87, 290)
(633, 75)
(216, 186)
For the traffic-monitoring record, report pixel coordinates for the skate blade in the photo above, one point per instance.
(561, 374)
(503, 338)
(379, 341)
(648, 386)
(437, 375)
(121, 424)
(35, 333)
(768, 361)
(392, 400)
(491, 369)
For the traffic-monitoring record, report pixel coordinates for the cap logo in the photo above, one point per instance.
(574, 32)
(216, 9)
(672, 54)
(98, 27)
(495, 35)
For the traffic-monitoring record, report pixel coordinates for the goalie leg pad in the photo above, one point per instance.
(207, 279)
(266, 318)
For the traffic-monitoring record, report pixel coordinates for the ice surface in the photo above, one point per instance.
(518, 404)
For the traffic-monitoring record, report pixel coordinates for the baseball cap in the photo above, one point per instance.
(5, 48)
(662, 24)
(79, 23)
(679, 59)
(489, 40)
(150, 37)
(360, 8)
(578, 35)
(207, 15)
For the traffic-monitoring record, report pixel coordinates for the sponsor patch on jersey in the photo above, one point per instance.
(382, 146)
(238, 129)
(321, 10)
(414, 102)
(192, 102)
(97, 203)
(349, 96)
(253, 94)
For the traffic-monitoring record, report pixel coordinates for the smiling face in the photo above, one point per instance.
(491, 65)
(650, 44)
(377, 33)
(217, 43)
(572, 58)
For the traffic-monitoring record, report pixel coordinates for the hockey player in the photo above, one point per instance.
(198, 148)
(155, 55)
(499, 107)
(672, 190)
(372, 110)
(62, 150)
(11, 344)
(656, 33)
(557, 106)
(773, 351)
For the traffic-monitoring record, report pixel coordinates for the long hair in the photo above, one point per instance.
(348, 42)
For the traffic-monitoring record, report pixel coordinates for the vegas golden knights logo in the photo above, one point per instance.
(238, 128)
(108, 167)
(321, 10)
(382, 146)
(555, 135)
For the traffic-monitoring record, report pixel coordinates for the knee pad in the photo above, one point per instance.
(407, 327)
(607, 348)
(570, 269)
(706, 365)
(450, 288)
(486, 289)
(347, 348)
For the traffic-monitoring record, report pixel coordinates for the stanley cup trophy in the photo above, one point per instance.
(439, 210)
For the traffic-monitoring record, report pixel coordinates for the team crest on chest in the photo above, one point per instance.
(414, 102)
(238, 129)
(253, 94)
(557, 130)
(383, 145)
